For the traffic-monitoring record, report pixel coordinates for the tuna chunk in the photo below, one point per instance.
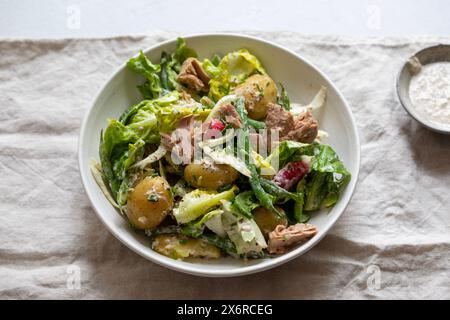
(193, 76)
(229, 114)
(279, 119)
(305, 128)
(302, 128)
(282, 238)
(180, 141)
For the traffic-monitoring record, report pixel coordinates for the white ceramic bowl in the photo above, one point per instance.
(302, 81)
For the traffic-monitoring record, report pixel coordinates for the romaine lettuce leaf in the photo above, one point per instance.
(128, 158)
(116, 142)
(327, 172)
(285, 152)
(316, 190)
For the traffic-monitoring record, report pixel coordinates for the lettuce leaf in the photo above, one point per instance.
(243, 231)
(151, 88)
(145, 124)
(210, 68)
(213, 221)
(327, 172)
(164, 112)
(182, 52)
(198, 202)
(168, 74)
(122, 142)
(171, 65)
(119, 147)
(246, 202)
(160, 78)
(285, 152)
(128, 158)
(232, 70)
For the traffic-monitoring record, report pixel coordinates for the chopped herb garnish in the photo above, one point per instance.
(153, 197)
(260, 92)
(283, 98)
(224, 188)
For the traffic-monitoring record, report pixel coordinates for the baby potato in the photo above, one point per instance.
(179, 247)
(209, 175)
(258, 91)
(149, 203)
(267, 220)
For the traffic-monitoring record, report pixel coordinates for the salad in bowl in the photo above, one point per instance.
(216, 160)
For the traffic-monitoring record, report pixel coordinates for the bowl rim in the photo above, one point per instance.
(409, 108)
(244, 270)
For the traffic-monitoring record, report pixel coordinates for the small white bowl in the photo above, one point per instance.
(438, 53)
(302, 81)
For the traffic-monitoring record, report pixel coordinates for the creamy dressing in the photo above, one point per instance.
(430, 92)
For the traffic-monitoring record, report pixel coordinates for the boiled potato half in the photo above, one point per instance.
(149, 203)
(209, 175)
(267, 220)
(179, 247)
(258, 91)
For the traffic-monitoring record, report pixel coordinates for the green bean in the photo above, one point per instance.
(163, 230)
(283, 98)
(264, 198)
(223, 243)
(255, 181)
(258, 125)
(274, 189)
(164, 74)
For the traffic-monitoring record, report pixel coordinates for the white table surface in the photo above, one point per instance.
(103, 18)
